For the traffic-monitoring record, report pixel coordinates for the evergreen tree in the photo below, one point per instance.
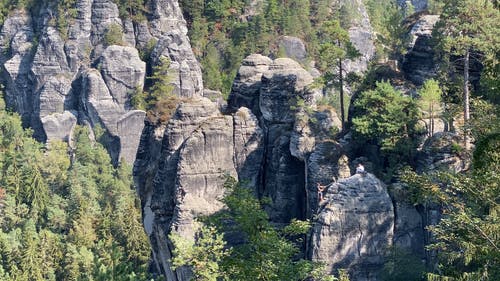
(430, 101)
(388, 119)
(469, 29)
(334, 49)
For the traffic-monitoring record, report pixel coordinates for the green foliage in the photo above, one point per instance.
(401, 264)
(160, 101)
(388, 119)
(132, 9)
(386, 19)
(457, 35)
(74, 220)
(203, 255)
(335, 47)
(467, 235)
(113, 35)
(430, 101)
(265, 254)
(221, 39)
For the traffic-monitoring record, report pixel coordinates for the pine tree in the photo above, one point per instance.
(334, 49)
(469, 29)
(430, 101)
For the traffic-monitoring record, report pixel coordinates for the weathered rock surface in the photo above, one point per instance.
(419, 62)
(354, 227)
(246, 86)
(185, 187)
(54, 84)
(362, 37)
(248, 149)
(443, 151)
(293, 47)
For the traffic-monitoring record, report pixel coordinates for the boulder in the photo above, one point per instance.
(59, 126)
(293, 47)
(354, 227)
(245, 91)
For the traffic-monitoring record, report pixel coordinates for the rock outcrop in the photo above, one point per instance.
(419, 62)
(354, 227)
(362, 36)
(75, 76)
(176, 187)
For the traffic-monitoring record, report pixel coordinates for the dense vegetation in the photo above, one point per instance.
(66, 213)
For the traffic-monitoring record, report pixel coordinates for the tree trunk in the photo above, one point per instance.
(466, 98)
(341, 82)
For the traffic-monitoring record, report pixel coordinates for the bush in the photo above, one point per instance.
(114, 35)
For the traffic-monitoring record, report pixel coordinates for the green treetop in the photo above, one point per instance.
(430, 101)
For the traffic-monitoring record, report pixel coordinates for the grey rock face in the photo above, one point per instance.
(54, 84)
(442, 152)
(104, 14)
(185, 70)
(419, 64)
(123, 72)
(282, 85)
(59, 126)
(105, 110)
(16, 43)
(409, 231)
(169, 28)
(246, 86)
(362, 37)
(184, 187)
(354, 227)
(294, 47)
(248, 149)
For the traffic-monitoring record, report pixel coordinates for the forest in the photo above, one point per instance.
(68, 213)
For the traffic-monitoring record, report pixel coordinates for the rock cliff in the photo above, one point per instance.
(72, 75)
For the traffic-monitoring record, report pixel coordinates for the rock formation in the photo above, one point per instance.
(362, 36)
(75, 77)
(354, 227)
(419, 62)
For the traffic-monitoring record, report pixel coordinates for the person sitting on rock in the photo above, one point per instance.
(360, 169)
(320, 188)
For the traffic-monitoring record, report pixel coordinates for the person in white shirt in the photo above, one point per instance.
(360, 169)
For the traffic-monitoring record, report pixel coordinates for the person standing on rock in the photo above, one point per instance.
(360, 169)
(320, 189)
